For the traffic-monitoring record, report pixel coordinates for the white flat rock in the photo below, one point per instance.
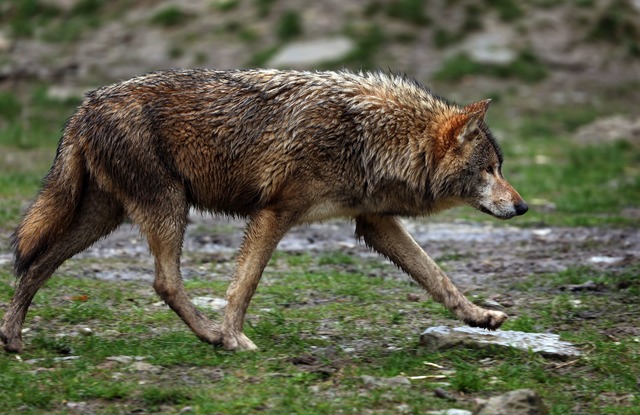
(546, 344)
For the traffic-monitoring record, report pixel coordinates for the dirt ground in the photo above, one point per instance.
(473, 254)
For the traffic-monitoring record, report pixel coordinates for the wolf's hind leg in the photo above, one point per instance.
(263, 233)
(164, 228)
(388, 236)
(98, 215)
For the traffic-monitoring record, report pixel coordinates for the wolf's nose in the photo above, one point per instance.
(521, 208)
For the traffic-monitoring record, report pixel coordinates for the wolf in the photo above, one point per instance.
(279, 148)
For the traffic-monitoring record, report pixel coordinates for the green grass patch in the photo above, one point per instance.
(312, 351)
(170, 16)
(289, 26)
(48, 22)
(618, 25)
(526, 67)
(508, 10)
(411, 11)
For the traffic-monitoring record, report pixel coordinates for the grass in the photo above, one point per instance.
(526, 66)
(37, 18)
(289, 26)
(618, 25)
(25, 16)
(170, 16)
(507, 10)
(411, 11)
(313, 353)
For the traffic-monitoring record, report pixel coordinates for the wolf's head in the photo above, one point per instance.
(470, 164)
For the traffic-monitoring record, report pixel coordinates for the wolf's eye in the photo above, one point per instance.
(489, 170)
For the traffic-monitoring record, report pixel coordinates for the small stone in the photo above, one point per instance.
(413, 297)
(403, 409)
(144, 367)
(541, 232)
(605, 259)
(443, 394)
(490, 304)
(450, 412)
(210, 303)
(120, 359)
(186, 410)
(586, 286)
(75, 405)
(86, 331)
(518, 402)
(65, 358)
(385, 382)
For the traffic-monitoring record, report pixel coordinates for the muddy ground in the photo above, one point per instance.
(474, 255)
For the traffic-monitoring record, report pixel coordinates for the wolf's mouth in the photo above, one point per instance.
(488, 212)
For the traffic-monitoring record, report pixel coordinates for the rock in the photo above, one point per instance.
(65, 92)
(403, 409)
(493, 47)
(607, 260)
(606, 130)
(55, 359)
(210, 303)
(542, 232)
(443, 394)
(76, 406)
(120, 359)
(311, 53)
(586, 286)
(413, 297)
(518, 402)
(450, 412)
(385, 382)
(144, 367)
(546, 344)
(5, 44)
(86, 331)
(490, 304)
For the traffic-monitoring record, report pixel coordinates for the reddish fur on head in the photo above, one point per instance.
(452, 126)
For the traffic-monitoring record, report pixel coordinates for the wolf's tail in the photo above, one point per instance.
(53, 210)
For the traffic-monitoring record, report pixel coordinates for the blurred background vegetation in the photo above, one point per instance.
(564, 76)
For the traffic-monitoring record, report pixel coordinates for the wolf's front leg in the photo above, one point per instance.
(388, 236)
(263, 233)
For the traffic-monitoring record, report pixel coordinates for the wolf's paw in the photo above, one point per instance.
(489, 319)
(237, 342)
(13, 345)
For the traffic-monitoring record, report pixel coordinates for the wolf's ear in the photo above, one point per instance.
(469, 127)
(473, 114)
(480, 106)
